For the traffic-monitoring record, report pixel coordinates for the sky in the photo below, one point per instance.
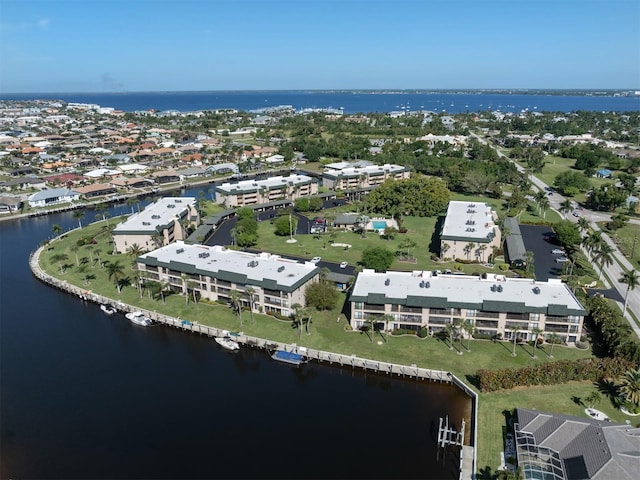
(201, 45)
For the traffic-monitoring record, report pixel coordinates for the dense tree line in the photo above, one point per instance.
(417, 196)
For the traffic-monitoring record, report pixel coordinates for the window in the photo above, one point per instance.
(535, 317)
(471, 313)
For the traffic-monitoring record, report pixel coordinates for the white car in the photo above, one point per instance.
(316, 259)
(344, 264)
(562, 260)
(557, 251)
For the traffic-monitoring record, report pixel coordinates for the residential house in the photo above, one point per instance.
(54, 196)
(96, 190)
(554, 446)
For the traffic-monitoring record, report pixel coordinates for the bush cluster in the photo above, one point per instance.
(552, 373)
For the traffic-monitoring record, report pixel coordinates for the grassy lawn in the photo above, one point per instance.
(328, 334)
(565, 399)
(627, 239)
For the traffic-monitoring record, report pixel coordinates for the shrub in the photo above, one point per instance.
(562, 371)
(503, 267)
(403, 331)
(482, 336)
(423, 332)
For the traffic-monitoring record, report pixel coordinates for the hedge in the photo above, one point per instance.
(551, 373)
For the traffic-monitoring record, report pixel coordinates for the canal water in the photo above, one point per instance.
(83, 395)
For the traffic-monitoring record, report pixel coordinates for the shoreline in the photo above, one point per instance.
(468, 453)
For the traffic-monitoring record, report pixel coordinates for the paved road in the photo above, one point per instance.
(620, 265)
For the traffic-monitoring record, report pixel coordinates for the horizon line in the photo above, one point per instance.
(327, 90)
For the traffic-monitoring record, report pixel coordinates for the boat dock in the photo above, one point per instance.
(467, 453)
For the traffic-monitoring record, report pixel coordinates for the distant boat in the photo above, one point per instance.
(139, 318)
(108, 309)
(289, 357)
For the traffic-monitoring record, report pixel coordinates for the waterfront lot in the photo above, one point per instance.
(328, 334)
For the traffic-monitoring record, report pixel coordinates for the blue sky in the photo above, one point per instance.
(166, 45)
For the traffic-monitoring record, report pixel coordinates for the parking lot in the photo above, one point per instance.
(544, 262)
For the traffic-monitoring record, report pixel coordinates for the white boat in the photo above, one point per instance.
(108, 309)
(139, 319)
(227, 343)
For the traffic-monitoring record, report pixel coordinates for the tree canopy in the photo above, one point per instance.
(378, 258)
(418, 196)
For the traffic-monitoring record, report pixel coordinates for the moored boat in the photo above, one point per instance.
(227, 343)
(108, 309)
(289, 357)
(139, 319)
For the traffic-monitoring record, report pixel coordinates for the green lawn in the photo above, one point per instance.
(627, 239)
(329, 335)
(563, 399)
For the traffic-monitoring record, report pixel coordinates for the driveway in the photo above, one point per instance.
(544, 264)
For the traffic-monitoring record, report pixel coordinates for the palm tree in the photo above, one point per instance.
(469, 248)
(74, 248)
(629, 386)
(469, 328)
(251, 295)
(566, 206)
(98, 252)
(593, 399)
(115, 272)
(553, 339)
(539, 197)
(583, 224)
(631, 278)
(191, 286)
(134, 251)
(514, 331)
(443, 250)
(604, 256)
(78, 215)
(59, 258)
(593, 241)
(56, 229)
(543, 206)
(297, 309)
(536, 334)
(482, 248)
(236, 305)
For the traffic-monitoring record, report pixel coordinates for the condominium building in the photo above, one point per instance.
(214, 272)
(493, 304)
(469, 231)
(253, 192)
(160, 223)
(349, 178)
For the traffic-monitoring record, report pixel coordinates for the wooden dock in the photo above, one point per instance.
(446, 435)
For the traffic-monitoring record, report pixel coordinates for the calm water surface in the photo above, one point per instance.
(83, 395)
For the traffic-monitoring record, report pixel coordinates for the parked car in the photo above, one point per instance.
(562, 260)
(344, 264)
(316, 259)
(557, 251)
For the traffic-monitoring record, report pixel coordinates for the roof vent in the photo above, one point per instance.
(281, 269)
(499, 288)
(180, 250)
(536, 290)
(171, 205)
(252, 264)
(203, 254)
(146, 223)
(427, 284)
(155, 217)
(177, 200)
(493, 288)
(387, 282)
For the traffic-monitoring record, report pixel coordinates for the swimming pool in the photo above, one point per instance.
(379, 224)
